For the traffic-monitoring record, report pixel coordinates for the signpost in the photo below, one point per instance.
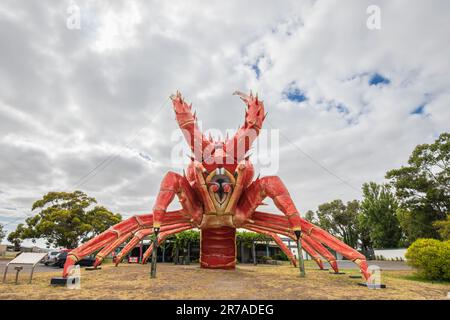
(25, 259)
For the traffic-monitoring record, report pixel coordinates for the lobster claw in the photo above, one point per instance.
(242, 95)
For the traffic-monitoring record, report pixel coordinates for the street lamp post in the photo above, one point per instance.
(154, 253)
(301, 262)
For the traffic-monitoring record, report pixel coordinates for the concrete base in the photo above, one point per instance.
(92, 268)
(337, 272)
(372, 286)
(58, 281)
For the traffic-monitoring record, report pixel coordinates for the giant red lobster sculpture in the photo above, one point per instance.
(218, 195)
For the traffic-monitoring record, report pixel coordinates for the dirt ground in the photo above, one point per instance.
(132, 281)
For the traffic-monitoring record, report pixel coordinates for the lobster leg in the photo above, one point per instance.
(138, 236)
(278, 241)
(317, 246)
(316, 257)
(129, 225)
(268, 220)
(171, 185)
(348, 252)
(141, 234)
(109, 248)
(171, 217)
(271, 187)
(161, 238)
(306, 245)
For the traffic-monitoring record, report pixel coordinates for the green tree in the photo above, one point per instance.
(443, 227)
(15, 237)
(309, 215)
(2, 233)
(183, 239)
(247, 238)
(378, 215)
(364, 238)
(66, 219)
(340, 220)
(423, 189)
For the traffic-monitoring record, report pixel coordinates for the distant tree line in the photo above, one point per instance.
(2, 233)
(414, 203)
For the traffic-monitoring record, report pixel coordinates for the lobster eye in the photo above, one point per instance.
(214, 187)
(226, 188)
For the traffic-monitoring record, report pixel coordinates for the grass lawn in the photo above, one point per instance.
(132, 281)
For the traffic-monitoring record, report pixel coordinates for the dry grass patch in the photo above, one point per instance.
(246, 282)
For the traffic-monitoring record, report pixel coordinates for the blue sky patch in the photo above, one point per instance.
(294, 94)
(378, 79)
(342, 109)
(256, 69)
(419, 110)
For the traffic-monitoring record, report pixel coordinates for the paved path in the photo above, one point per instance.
(384, 265)
(39, 268)
(343, 264)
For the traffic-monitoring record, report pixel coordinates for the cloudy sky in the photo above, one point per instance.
(87, 108)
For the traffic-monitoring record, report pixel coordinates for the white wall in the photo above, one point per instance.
(295, 252)
(391, 253)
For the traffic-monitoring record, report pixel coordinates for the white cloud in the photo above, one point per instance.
(71, 98)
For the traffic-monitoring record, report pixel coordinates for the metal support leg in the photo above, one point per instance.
(31, 274)
(254, 253)
(188, 259)
(177, 255)
(154, 253)
(301, 262)
(164, 252)
(4, 274)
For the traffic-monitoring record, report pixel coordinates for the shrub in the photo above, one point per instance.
(281, 256)
(264, 259)
(431, 258)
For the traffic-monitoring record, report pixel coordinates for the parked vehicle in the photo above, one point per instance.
(85, 262)
(50, 258)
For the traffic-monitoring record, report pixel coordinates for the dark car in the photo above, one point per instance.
(85, 262)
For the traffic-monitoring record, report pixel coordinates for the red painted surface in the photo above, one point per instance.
(218, 248)
(218, 194)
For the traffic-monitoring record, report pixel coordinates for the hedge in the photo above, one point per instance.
(431, 258)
